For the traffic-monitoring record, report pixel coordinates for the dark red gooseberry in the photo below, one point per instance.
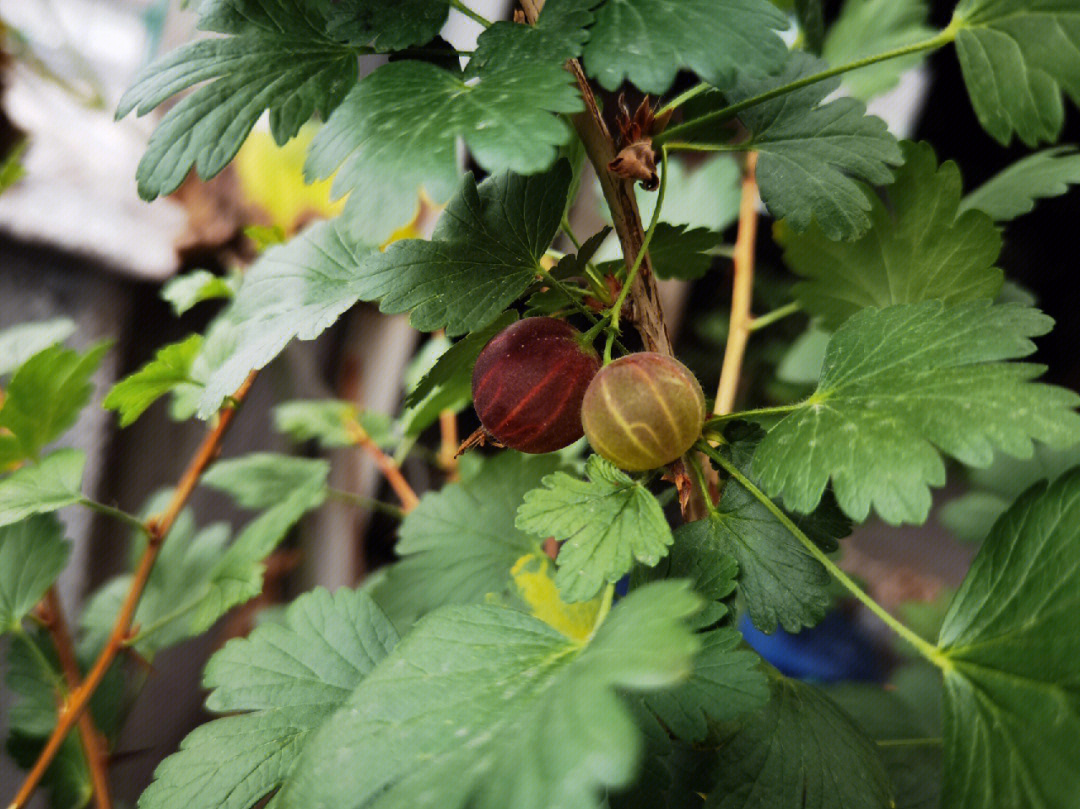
(528, 384)
(643, 411)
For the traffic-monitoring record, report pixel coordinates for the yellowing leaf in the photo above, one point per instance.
(532, 576)
(272, 177)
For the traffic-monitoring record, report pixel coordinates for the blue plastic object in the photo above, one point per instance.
(833, 650)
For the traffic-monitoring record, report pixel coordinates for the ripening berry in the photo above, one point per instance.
(529, 381)
(643, 411)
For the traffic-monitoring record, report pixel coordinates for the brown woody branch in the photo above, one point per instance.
(93, 743)
(156, 529)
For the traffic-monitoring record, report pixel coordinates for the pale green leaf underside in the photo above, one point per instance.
(291, 676)
(801, 750)
(916, 249)
(486, 707)
(1012, 646)
(32, 554)
(397, 132)
(322, 420)
(264, 479)
(295, 290)
(460, 543)
(809, 151)
(1013, 191)
(20, 343)
(41, 488)
(184, 291)
(900, 386)
(605, 524)
(1018, 57)
(46, 394)
(649, 41)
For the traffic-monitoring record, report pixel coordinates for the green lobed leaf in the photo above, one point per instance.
(810, 150)
(694, 556)
(908, 745)
(386, 26)
(900, 386)
(917, 248)
(264, 479)
(1012, 192)
(868, 28)
(207, 128)
(534, 720)
(800, 750)
(41, 488)
(448, 384)
(649, 41)
(170, 367)
(726, 684)
(279, 59)
(295, 290)
(32, 555)
(20, 343)
(184, 291)
(1011, 649)
(779, 580)
(281, 682)
(559, 34)
(46, 394)
(460, 543)
(1017, 57)
(505, 115)
(484, 253)
(678, 252)
(604, 525)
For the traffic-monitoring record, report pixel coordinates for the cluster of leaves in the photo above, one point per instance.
(474, 670)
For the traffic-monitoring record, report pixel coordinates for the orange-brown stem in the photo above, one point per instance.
(97, 758)
(448, 443)
(742, 292)
(390, 470)
(157, 528)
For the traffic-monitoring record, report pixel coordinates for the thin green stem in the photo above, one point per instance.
(683, 97)
(605, 607)
(369, 503)
(780, 313)
(117, 514)
(752, 414)
(687, 146)
(616, 309)
(569, 231)
(699, 474)
(578, 305)
(926, 649)
(943, 37)
(468, 12)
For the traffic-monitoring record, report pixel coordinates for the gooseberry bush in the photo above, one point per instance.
(560, 628)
